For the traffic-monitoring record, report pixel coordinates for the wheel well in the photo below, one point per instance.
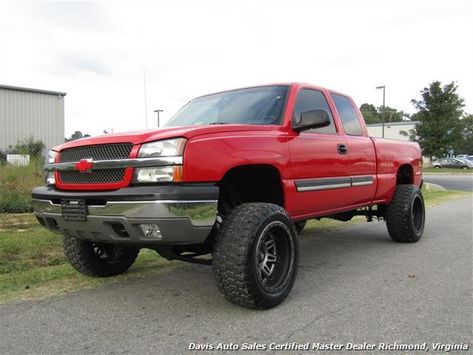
(250, 183)
(405, 175)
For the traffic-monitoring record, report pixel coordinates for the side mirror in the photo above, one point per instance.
(312, 119)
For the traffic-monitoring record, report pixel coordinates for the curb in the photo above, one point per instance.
(456, 174)
(433, 187)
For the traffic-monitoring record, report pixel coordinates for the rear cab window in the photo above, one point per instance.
(347, 113)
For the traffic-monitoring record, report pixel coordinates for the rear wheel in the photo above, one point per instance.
(255, 255)
(405, 215)
(98, 259)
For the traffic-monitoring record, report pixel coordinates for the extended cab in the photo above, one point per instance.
(230, 180)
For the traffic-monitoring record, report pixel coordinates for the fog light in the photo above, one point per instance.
(151, 231)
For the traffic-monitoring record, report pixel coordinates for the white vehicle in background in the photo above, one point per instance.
(18, 159)
(455, 163)
(465, 158)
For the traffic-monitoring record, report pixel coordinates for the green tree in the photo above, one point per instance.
(373, 114)
(438, 112)
(77, 135)
(370, 113)
(393, 115)
(465, 144)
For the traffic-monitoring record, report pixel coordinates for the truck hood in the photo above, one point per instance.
(139, 137)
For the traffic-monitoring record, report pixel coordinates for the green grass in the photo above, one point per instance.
(447, 171)
(45, 281)
(32, 264)
(434, 198)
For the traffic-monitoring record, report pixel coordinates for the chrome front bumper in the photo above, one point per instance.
(109, 219)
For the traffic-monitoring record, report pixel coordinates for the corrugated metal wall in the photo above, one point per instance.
(391, 130)
(30, 114)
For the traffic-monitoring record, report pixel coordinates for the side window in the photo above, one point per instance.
(348, 115)
(313, 100)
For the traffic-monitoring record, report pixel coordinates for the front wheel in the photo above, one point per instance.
(98, 259)
(256, 255)
(405, 215)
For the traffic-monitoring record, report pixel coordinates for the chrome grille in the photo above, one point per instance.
(97, 152)
(92, 177)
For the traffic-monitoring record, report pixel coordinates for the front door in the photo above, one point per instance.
(318, 164)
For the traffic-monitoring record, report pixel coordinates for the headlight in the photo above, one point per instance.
(49, 176)
(50, 179)
(164, 148)
(51, 157)
(156, 174)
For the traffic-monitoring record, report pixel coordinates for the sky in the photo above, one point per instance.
(120, 61)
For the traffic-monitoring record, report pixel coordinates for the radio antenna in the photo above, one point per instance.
(146, 101)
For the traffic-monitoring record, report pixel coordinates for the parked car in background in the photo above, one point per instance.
(467, 158)
(453, 163)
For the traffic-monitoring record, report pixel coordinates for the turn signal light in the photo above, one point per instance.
(177, 174)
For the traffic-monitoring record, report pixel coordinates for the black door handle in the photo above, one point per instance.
(342, 149)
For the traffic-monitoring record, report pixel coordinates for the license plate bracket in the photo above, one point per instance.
(74, 210)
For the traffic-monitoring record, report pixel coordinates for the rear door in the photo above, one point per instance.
(360, 155)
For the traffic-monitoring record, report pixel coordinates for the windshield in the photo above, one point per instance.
(258, 106)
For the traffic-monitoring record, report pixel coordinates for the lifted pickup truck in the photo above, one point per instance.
(236, 175)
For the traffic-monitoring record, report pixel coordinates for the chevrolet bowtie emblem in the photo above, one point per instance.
(84, 165)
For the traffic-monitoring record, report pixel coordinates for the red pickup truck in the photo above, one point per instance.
(233, 175)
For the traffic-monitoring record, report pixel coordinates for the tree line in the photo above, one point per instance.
(443, 126)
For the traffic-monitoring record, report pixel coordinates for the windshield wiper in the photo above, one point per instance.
(213, 123)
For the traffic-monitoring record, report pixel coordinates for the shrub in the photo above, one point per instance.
(28, 147)
(16, 183)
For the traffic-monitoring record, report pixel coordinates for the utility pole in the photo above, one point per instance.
(384, 105)
(158, 111)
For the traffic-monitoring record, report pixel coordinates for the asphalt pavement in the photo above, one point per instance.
(354, 286)
(459, 182)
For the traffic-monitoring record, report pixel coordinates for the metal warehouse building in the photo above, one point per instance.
(31, 113)
(392, 130)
